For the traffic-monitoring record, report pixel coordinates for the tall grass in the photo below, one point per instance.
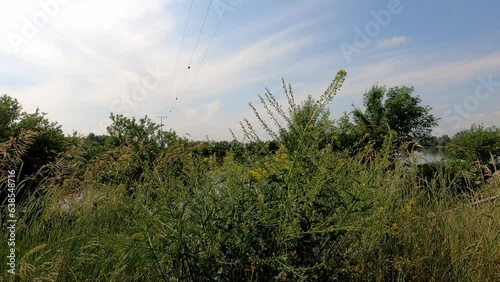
(311, 214)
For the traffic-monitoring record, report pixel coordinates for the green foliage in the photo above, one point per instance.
(240, 150)
(434, 141)
(125, 130)
(10, 112)
(373, 120)
(308, 122)
(299, 210)
(443, 140)
(48, 140)
(475, 144)
(431, 142)
(95, 145)
(322, 216)
(347, 136)
(406, 116)
(456, 177)
(400, 111)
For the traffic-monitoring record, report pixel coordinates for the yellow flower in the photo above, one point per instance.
(257, 173)
(229, 157)
(281, 148)
(261, 198)
(254, 174)
(409, 206)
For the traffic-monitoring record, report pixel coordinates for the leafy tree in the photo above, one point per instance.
(99, 139)
(431, 142)
(435, 141)
(95, 145)
(443, 140)
(475, 144)
(143, 134)
(10, 112)
(49, 140)
(124, 130)
(373, 120)
(400, 111)
(347, 135)
(143, 137)
(405, 115)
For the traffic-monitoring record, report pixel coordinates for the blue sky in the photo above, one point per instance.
(80, 60)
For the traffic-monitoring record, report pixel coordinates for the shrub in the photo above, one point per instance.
(475, 144)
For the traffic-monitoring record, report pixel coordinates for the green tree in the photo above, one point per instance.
(95, 145)
(475, 144)
(129, 130)
(431, 142)
(48, 141)
(347, 135)
(10, 113)
(400, 111)
(142, 133)
(373, 120)
(406, 115)
(443, 140)
(124, 129)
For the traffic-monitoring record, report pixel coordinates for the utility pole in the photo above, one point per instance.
(161, 127)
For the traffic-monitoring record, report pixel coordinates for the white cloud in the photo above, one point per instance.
(487, 119)
(94, 52)
(391, 42)
(213, 109)
(404, 70)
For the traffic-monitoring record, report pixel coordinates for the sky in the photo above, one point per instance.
(200, 62)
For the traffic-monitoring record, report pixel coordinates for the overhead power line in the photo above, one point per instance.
(195, 46)
(199, 34)
(208, 48)
(180, 48)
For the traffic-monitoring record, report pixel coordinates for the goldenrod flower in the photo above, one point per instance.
(254, 174)
(261, 198)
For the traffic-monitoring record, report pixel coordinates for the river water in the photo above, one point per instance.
(429, 155)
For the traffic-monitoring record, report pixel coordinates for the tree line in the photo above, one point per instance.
(397, 111)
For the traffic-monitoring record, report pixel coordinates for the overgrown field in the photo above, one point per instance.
(305, 211)
(308, 215)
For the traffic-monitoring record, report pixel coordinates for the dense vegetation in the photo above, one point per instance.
(323, 200)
